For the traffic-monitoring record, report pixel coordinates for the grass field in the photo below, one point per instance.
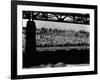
(61, 48)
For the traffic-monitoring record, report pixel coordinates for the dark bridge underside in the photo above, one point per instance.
(76, 18)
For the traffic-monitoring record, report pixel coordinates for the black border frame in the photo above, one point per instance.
(14, 39)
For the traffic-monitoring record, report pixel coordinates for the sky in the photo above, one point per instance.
(59, 25)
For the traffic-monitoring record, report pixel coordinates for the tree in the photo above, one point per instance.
(43, 30)
(82, 31)
(76, 34)
(55, 30)
(50, 29)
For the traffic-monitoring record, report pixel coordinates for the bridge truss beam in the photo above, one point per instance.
(76, 18)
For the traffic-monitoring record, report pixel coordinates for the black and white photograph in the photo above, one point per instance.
(53, 39)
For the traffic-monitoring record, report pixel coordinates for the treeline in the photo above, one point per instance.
(81, 33)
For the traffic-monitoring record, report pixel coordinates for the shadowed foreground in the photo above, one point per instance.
(73, 56)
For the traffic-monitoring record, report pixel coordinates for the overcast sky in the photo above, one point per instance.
(66, 26)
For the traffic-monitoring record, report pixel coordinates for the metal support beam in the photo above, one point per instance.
(76, 18)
